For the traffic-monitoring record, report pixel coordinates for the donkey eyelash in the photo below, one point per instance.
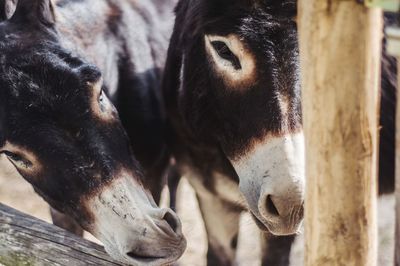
(225, 53)
(12, 156)
(18, 159)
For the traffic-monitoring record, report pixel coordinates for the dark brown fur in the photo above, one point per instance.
(209, 121)
(50, 56)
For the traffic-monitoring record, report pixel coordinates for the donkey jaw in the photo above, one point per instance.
(272, 179)
(132, 228)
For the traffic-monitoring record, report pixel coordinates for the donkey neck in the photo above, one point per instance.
(107, 32)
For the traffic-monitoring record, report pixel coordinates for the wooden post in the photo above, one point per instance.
(340, 43)
(25, 240)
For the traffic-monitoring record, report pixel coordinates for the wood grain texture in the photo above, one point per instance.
(25, 240)
(340, 45)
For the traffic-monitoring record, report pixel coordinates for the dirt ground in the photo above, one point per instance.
(15, 192)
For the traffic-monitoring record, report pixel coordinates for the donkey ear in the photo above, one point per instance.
(7, 9)
(46, 12)
(35, 10)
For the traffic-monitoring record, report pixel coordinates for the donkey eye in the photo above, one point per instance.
(103, 101)
(17, 159)
(225, 53)
(101, 96)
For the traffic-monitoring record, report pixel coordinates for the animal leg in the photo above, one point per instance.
(155, 182)
(221, 220)
(276, 249)
(65, 222)
(173, 181)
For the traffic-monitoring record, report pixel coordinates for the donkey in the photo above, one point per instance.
(232, 93)
(62, 66)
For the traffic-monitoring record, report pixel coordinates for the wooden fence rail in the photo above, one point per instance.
(25, 240)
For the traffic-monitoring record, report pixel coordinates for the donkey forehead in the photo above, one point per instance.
(46, 75)
(288, 5)
(274, 7)
(232, 8)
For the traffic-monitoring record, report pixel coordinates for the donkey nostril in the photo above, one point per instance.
(271, 208)
(171, 220)
(136, 256)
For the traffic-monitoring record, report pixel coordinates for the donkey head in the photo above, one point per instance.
(63, 135)
(240, 90)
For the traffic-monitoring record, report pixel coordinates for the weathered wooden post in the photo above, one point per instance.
(340, 45)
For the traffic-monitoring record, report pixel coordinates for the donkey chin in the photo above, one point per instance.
(272, 179)
(131, 226)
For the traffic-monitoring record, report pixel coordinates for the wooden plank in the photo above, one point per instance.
(340, 45)
(25, 240)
